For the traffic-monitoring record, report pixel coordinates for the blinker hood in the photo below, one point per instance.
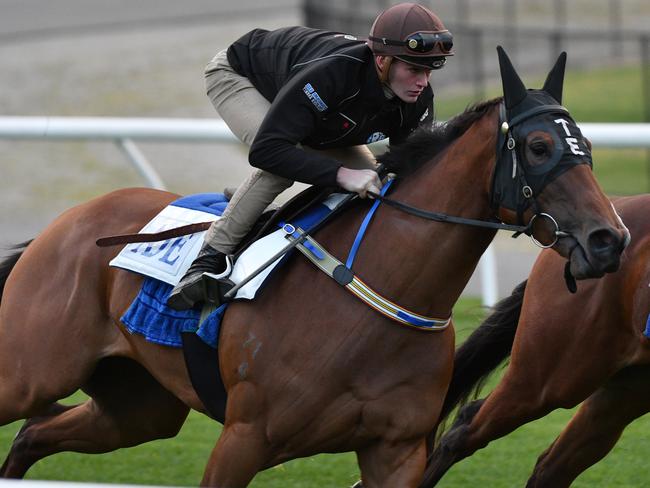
(516, 181)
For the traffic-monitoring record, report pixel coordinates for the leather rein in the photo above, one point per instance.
(440, 217)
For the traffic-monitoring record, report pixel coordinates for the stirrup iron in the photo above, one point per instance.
(216, 285)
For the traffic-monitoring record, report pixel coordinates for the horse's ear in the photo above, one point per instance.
(555, 79)
(514, 90)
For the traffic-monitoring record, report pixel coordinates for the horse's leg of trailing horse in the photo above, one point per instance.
(127, 407)
(387, 464)
(516, 400)
(595, 429)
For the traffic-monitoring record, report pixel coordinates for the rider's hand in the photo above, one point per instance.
(360, 181)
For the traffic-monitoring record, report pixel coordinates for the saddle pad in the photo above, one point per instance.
(150, 316)
(168, 260)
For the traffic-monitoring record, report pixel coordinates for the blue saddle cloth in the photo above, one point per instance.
(150, 316)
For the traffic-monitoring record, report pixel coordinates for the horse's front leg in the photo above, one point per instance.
(390, 464)
(240, 453)
(243, 448)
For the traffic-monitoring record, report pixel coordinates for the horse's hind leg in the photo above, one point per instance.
(127, 407)
(51, 411)
(595, 429)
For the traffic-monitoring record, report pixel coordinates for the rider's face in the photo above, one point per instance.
(407, 81)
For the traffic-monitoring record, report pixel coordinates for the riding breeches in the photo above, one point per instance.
(243, 109)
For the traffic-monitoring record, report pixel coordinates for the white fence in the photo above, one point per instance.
(124, 132)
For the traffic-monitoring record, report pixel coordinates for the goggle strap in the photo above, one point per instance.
(392, 42)
(387, 42)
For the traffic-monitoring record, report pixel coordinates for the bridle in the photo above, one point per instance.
(510, 187)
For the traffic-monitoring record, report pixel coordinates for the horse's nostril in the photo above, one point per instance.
(605, 241)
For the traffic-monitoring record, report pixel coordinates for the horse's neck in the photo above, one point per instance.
(425, 264)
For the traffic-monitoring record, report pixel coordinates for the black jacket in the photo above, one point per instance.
(325, 93)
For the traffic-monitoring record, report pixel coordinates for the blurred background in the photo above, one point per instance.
(145, 58)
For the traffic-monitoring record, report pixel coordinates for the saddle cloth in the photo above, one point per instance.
(168, 260)
(164, 263)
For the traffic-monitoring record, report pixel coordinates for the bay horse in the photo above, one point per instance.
(592, 347)
(308, 368)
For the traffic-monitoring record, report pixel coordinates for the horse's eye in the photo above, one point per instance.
(539, 148)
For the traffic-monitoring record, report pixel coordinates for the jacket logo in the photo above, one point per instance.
(314, 97)
(375, 136)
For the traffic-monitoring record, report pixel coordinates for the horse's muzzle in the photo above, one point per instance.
(600, 254)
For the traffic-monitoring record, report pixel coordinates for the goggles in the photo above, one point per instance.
(423, 42)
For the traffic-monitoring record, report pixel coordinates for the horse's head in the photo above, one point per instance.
(543, 176)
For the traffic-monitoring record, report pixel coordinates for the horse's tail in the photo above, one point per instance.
(487, 347)
(9, 262)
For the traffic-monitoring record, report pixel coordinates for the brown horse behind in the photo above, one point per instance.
(308, 368)
(565, 349)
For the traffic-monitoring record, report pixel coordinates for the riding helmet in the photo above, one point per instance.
(413, 34)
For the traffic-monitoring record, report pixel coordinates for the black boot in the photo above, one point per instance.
(191, 289)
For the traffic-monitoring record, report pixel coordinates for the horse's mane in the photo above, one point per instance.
(425, 143)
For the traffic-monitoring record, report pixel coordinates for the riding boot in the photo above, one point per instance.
(191, 289)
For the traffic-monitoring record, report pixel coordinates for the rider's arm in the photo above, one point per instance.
(292, 118)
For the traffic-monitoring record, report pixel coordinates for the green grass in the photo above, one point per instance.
(180, 461)
(606, 95)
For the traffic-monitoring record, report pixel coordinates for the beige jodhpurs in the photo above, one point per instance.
(243, 109)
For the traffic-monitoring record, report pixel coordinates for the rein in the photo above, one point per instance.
(440, 217)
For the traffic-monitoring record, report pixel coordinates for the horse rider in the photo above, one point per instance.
(307, 102)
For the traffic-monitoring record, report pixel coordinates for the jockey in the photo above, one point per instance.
(307, 102)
